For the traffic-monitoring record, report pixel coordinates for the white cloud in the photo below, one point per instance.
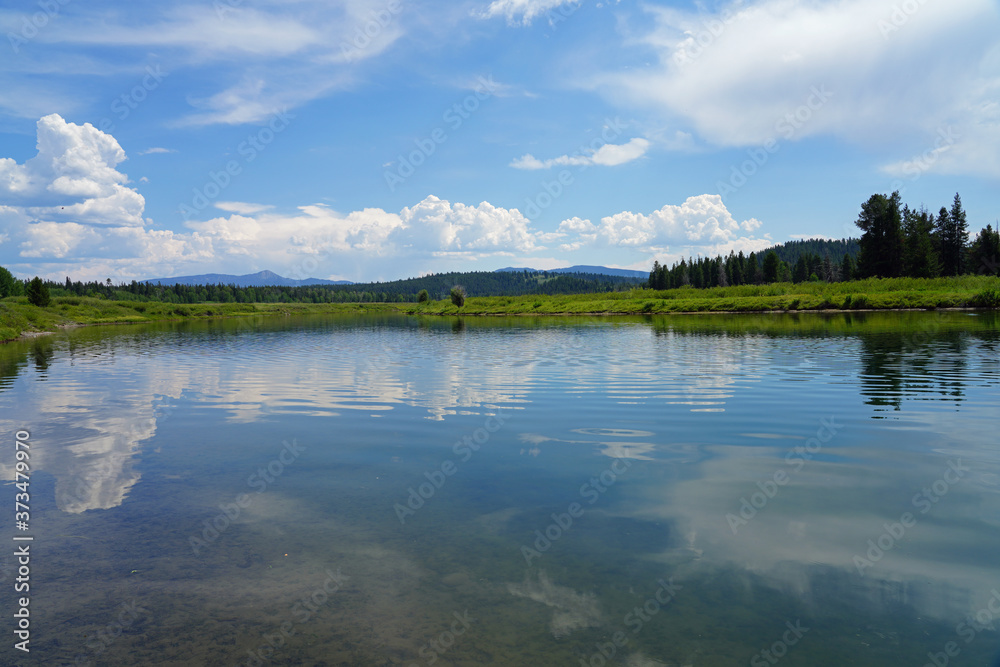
(70, 203)
(702, 225)
(750, 73)
(156, 150)
(523, 12)
(607, 155)
(53, 239)
(702, 219)
(72, 214)
(243, 208)
(461, 228)
(253, 60)
(73, 175)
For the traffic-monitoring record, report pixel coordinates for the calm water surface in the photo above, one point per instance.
(523, 491)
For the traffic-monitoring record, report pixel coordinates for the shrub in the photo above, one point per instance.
(988, 298)
(458, 295)
(648, 307)
(423, 296)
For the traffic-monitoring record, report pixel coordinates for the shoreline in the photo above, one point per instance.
(63, 326)
(22, 321)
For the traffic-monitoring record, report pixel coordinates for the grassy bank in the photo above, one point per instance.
(18, 317)
(871, 294)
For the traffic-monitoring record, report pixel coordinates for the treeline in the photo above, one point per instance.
(896, 241)
(438, 286)
(795, 261)
(900, 241)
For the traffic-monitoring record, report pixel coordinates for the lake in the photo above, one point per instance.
(391, 490)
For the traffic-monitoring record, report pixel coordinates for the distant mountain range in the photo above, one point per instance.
(582, 268)
(259, 279)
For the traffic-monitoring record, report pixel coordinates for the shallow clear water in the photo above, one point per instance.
(515, 491)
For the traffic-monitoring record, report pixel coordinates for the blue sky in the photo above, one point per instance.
(383, 139)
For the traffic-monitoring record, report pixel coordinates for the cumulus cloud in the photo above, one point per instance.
(69, 202)
(702, 225)
(71, 213)
(433, 229)
(69, 210)
(523, 12)
(74, 163)
(607, 155)
(750, 73)
(703, 219)
(53, 239)
(461, 228)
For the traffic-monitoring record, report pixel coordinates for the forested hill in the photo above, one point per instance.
(438, 286)
(790, 251)
(496, 283)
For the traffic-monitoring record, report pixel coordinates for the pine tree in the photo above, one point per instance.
(734, 269)
(960, 230)
(847, 268)
(919, 257)
(951, 234)
(984, 256)
(771, 267)
(38, 292)
(882, 238)
(785, 273)
(7, 281)
(829, 270)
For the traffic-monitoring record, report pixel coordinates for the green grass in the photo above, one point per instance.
(871, 294)
(18, 317)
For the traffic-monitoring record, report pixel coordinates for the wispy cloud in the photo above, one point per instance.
(608, 155)
(522, 12)
(243, 208)
(733, 76)
(155, 150)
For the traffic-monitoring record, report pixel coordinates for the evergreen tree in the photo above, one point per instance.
(771, 266)
(38, 293)
(734, 270)
(755, 275)
(801, 272)
(785, 273)
(882, 238)
(984, 256)
(951, 234)
(847, 268)
(959, 237)
(696, 274)
(919, 257)
(745, 275)
(7, 281)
